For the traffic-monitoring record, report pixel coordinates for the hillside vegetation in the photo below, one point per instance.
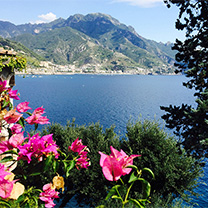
(95, 41)
(32, 58)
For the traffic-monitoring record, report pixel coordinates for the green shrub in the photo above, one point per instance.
(89, 186)
(175, 172)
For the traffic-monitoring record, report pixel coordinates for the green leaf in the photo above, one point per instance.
(101, 206)
(6, 159)
(42, 206)
(132, 178)
(21, 122)
(9, 152)
(65, 165)
(27, 205)
(10, 106)
(25, 177)
(116, 197)
(71, 164)
(113, 190)
(138, 203)
(28, 113)
(62, 153)
(35, 174)
(5, 103)
(147, 170)
(146, 188)
(134, 167)
(20, 199)
(36, 126)
(35, 199)
(55, 165)
(5, 203)
(48, 162)
(69, 167)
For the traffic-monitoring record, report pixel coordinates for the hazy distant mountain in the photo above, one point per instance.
(92, 39)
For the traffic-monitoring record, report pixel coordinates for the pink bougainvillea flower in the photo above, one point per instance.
(24, 154)
(13, 94)
(12, 116)
(124, 159)
(38, 147)
(3, 171)
(16, 139)
(16, 128)
(50, 146)
(114, 166)
(39, 110)
(77, 146)
(6, 187)
(31, 149)
(32, 119)
(3, 85)
(37, 118)
(48, 195)
(5, 146)
(42, 120)
(82, 161)
(111, 168)
(23, 107)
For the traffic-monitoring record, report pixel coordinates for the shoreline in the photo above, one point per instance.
(110, 73)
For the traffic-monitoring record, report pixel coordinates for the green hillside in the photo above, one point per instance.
(33, 59)
(96, 41)
(68, 46)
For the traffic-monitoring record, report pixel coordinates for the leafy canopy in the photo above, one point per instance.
(191, 124)
(174, 172)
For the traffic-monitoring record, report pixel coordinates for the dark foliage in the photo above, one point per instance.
(89, 185)
(192, 60)
(175, 172)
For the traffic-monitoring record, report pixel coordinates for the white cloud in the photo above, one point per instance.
(48, 17)
(43, 18)
(142, 3)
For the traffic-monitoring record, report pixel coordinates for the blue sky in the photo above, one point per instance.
(150, 18)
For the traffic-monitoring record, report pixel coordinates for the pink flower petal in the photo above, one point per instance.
(23, 107)
(16, 128)
(12, 116)
(103, 157)
(16, 139)
(114, 166)
(6, 187)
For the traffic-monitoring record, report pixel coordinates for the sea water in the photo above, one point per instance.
(107, 99)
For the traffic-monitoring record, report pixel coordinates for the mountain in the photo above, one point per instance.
(9, 30)
(66, 45)
(96, 39)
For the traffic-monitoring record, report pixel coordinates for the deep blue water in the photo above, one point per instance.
(111, 100)
(104, 98)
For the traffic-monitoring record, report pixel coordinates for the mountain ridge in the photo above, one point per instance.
(101, 30)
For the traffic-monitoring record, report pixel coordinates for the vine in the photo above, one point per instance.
(18, 63)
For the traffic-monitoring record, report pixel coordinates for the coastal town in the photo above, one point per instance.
(47, 67)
